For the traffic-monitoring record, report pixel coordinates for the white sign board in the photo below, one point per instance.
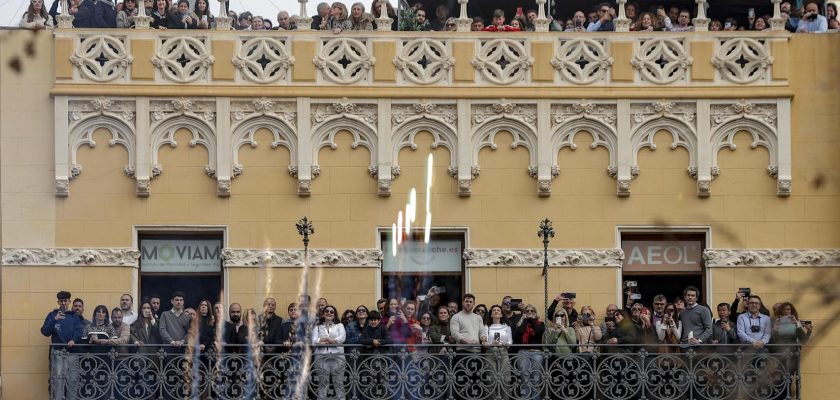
(416, 256)
(181, 255)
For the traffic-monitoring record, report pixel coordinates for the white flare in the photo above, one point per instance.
(399, 227)
(394, 233)
(428, 232)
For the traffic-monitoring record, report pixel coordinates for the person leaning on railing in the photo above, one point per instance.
(604, 23)
(330, 334)
(831, 16)
(181, 18)
(439, 331)
(374, 336)
(160, 14)
(754, 328)
(812, 21)
(338, 19)
(360, 20)
(201, 14)
(36, 17)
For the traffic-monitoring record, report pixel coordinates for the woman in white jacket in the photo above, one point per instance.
(36, 17)
(329, 359)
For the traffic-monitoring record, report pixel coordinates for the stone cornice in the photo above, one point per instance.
(534, 257)
(71, 257)
(715, 258)
(294, 258)
(772, 257)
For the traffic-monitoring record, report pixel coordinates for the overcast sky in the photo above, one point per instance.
(12, 10)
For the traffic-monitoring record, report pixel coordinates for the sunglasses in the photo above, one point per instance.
(329, 312)
(530, 311)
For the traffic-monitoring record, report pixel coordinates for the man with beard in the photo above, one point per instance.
(122, 329)
(235, 334)
(154, 301)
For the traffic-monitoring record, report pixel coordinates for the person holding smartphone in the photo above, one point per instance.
(812, 21)
(62, 325)
(559, 334)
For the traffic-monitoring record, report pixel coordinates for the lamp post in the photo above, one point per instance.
(304, 228)
(546, 232)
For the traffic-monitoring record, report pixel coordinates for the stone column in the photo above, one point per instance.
(777, 23)
(223, 22)
(65, 20)
(464, 21)
(622, 23)
(383, 23)
(142, 21)
(701, 23)
(541, 23)
(304, 22)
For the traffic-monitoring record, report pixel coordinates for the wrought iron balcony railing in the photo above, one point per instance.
(431, 372)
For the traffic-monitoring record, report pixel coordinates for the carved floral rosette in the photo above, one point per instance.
(71, 257)
(294, 258)
(772, 257)
(534, 257)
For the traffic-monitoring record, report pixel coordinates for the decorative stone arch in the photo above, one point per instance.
(283, 134)
(762, 135)
(602, 135)
(363, 135)
(442, 133)
(682, 135)
(523, 135)
(202, 134)
(121, 134)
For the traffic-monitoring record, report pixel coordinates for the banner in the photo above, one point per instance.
(416, 256)
(662, 256)
(181, 255)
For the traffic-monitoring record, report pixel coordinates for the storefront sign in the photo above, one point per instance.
(416, 256)
(181, 255)
(662, 256)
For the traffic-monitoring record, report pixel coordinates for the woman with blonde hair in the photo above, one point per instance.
(558, 333)
(36, 17)
(338, 20)
(587, 333)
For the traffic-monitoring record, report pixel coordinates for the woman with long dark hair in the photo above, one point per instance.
(161, 14)
(100, 330)
(439, 331)
(36, 16)
(201, 14)
(146, 331)
(329, 359)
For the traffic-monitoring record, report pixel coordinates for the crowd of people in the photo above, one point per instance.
(337, 18)
(407, 324)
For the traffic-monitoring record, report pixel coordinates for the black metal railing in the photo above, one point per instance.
(430, 372)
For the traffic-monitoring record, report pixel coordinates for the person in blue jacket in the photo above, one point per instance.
(96, 14)
(62, 325)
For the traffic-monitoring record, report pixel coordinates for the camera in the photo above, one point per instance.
(569, 295)
(745, 290)
(635, 296)
(496, 337)
(755, 328)
(812, 16)
(586, 317)
(514, 303)
(806, 322)
(609, 319)
(631, 284)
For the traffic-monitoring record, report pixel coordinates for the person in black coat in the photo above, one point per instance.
(160, 14)
(235, 333)
(374, 335)
(289, 333)
(182, 19)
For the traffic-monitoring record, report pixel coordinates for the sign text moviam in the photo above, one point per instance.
(180, 255)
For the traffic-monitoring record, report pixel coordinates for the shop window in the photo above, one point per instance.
(190, 263)
(417, 266)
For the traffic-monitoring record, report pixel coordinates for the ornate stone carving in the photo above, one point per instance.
(278, 117)
(534, 257)
(772, 257)
(85, 116)
(704, 188)
(71, 257)
(294, 258)
(183, 59)
(783, 187)
(757, 119)
(263, 60)
(623, 187)
(677, 118)
(446, 113)
(440, 120)
(503, 61)
(102, 58)
(582, 61)
(525, 113)
(196, 116)
(323, 112)
(384, 187)
(304, 187)
(569, 119)
(742, 60)
(464, 187)
(723, 113)
(662, 61)
(223, 187)
(424, 61)
(62, 187)
(142, 187)
(645, 112)
(344, 60)
(283, 110)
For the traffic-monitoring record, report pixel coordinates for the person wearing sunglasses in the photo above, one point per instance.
(559, 334)
(326, 336)
(355, 328)
(604, 22)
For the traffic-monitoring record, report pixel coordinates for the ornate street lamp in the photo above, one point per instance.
(546, 232)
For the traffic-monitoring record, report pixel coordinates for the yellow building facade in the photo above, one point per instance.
(241, 136)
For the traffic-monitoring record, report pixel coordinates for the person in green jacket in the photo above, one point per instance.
(559, 335)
